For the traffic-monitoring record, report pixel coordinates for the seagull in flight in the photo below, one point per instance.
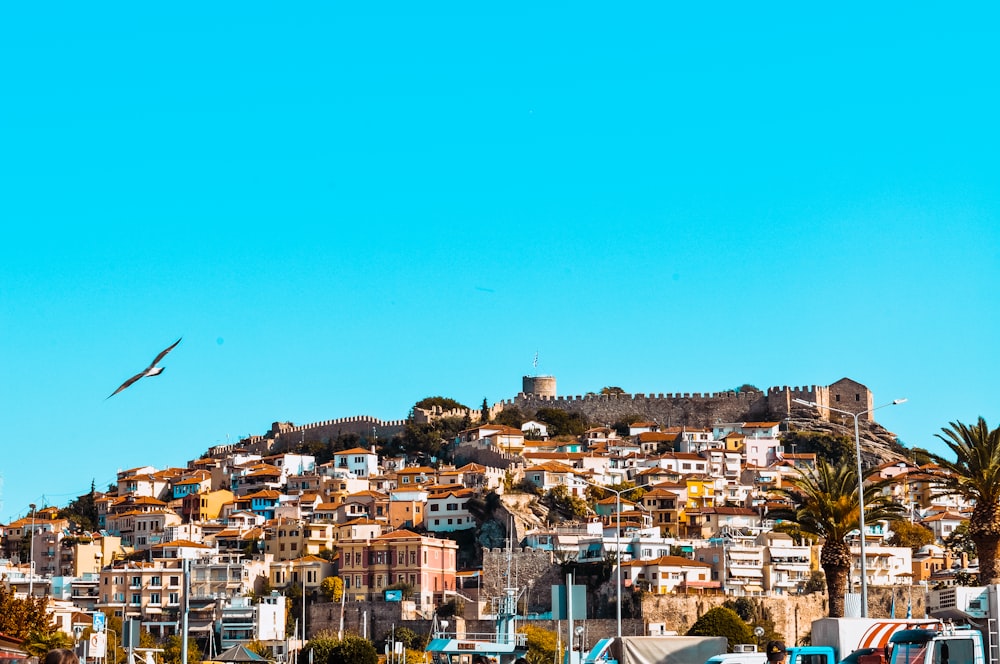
(151, 370)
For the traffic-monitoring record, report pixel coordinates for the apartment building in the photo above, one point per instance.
(426, 564)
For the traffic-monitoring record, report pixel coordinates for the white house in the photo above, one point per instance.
(357, 460)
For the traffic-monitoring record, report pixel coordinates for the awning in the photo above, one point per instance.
(753, 588)
(757, 573)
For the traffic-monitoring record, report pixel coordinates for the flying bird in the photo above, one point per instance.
(151, 370)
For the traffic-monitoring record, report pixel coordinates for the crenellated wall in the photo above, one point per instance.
(328, 430)
(671, 409)
(698, 409)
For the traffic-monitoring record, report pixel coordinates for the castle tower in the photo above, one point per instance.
(544, 386)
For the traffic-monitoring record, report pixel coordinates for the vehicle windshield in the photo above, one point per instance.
(908, 653)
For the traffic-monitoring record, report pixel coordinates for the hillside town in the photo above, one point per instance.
(239, 541)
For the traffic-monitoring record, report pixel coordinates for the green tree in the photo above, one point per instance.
(326, 648)
(318, 648)
(542, 644)
(22, 617)
(410, 639)
(444, 403)
(510, 416)
(612, 390)
(332, 588)
(974, 475)
(561, 422)
(722, 621)
(352, 650)
(816, 582)
(628, 490)
(562, 500)
(912, 535)
(753, 612)
(959, 541)
(82, 510)
(39, 643)
(484, 412)
(827, 506)
(621, 427)
(172, 650)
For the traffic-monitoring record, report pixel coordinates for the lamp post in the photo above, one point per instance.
(114, 648)
(618, 540)
(31, 553)
(861, 487)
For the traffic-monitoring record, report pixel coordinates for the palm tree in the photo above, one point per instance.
(826, 505)
(39, 643)
(975, 476)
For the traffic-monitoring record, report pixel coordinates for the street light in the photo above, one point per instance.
(618, 540)
(861, 487)
(31, 553)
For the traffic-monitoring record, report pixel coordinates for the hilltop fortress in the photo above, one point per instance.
(671, 409)
(696, 409)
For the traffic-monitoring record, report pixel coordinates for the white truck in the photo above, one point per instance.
(656, 650)
(846, 636)
(975, 641)
(850, 640)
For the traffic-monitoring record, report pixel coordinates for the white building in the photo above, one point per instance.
(357, 461)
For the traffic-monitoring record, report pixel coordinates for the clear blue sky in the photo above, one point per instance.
(346, 207)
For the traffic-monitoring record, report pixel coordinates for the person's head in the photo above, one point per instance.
(61, 656)
(775, 651)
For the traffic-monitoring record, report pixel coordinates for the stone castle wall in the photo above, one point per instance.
(677, 409)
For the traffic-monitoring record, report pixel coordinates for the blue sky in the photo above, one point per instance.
(344, 208)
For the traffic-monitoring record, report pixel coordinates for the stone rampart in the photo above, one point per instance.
(287, 435)
(672, 409)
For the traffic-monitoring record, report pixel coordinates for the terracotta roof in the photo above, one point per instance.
(265, 493)
(416, 470)
(656, 437)
(398, 534)
(353, 450)
(551, 467)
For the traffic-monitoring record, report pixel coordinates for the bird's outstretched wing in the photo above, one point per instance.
(127, 383)
(148, 371)
(162, 354)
